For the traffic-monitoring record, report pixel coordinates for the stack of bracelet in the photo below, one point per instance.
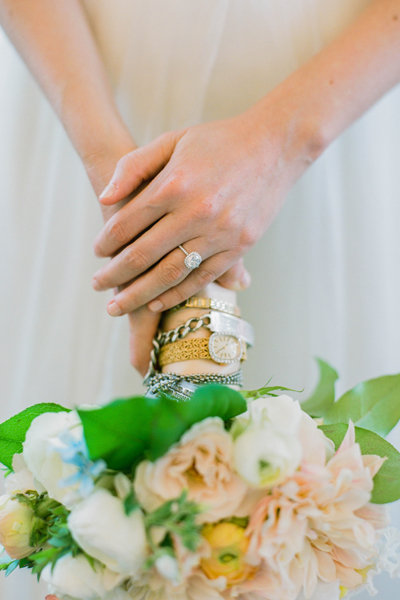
(230, 336)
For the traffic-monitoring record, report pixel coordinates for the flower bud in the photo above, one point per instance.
(16, 521)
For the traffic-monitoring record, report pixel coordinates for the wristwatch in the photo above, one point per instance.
(221, 348)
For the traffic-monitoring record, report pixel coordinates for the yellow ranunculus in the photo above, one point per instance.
(229, 544)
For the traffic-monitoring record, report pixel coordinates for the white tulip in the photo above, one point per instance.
(76, 578)
(267, 447)
(101, 528)
(16, 520)
(43, 459)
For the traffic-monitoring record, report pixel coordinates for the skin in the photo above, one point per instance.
(54, 40)
(217, 186)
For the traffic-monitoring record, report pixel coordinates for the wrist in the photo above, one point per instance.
(284, 120)
(100, 159)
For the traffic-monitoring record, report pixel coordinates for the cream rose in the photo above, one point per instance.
(102, 529)
(201, 463)
(42, 458)
(16, 520)
(267, 446)
(76, 578)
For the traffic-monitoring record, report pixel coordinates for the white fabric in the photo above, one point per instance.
(325, 277)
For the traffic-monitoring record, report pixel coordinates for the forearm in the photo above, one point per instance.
(322, 98)
(55, 41)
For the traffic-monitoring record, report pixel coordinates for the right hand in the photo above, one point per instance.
(143, 323)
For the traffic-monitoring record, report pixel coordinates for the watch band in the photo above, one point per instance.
(193, 349)
(208, 304)
(230, 325)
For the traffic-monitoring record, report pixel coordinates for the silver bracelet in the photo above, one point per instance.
(183, 386)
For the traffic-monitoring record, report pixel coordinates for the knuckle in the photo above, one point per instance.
(248, 237)
(136, 260)
(206, 275)
(206, 209)
(175, 184)
(231, 221)
(170, 274)
(116, 232)
(175, 296)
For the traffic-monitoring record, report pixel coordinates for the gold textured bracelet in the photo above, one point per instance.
(194, 349)
(208, 304)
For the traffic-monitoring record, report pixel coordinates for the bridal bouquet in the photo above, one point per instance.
(245, 495)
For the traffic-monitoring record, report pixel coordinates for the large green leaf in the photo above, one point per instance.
(323, 396)
(387, 480)
(374, 405)
(128, 430)
(13, 431)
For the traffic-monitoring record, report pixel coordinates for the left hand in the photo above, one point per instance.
(216, 187)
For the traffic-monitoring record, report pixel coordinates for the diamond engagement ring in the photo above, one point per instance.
(192, 259)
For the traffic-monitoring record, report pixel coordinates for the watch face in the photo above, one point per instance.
(224, 348)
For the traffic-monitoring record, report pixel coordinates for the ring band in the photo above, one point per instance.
(192, 260)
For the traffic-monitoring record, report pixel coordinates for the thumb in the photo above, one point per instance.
(143, 326)
(138, 166)
(236, 278)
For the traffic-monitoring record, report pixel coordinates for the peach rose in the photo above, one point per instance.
(200, 463)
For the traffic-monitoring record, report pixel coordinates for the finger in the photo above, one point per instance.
(166, 274)
(139, 166)
(143, 326)
(236, 278)
(142, 254)
(51, 597)
(208, 272)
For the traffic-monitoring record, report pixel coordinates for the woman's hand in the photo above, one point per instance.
(143, 323)
(216, 187)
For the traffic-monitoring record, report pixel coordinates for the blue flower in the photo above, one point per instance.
(73, 451)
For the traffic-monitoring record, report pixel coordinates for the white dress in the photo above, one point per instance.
(325, 276)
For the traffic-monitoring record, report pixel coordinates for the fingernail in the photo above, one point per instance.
(95, 284)
(113, 309)
(156, 306)
(108, 190)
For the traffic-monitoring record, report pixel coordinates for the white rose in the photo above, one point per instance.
(16, 520)
(76, 578)
(267, 447)
(43, 459)
(101, 528)
(21, 480)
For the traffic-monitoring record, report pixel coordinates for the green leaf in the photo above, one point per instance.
(266, 390)
(130, 503)
(387, 480)
(11, 567)
(323, 396)
(374, 405)
(128, 430)
(13, 431)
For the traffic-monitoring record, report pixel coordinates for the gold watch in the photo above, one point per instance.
(222, 348)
